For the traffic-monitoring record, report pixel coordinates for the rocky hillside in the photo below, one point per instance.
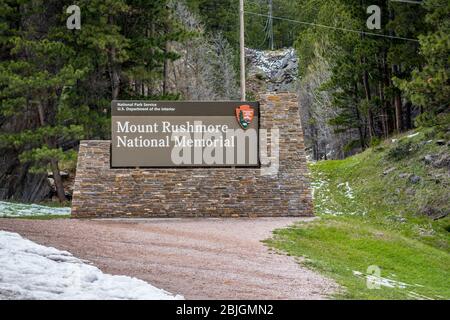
(271, 70)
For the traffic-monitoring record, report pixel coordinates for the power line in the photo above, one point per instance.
(408, 1)
(331, 27)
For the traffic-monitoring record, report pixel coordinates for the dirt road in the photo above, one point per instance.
(197, 258)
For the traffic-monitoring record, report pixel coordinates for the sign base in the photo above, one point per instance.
(283, 190)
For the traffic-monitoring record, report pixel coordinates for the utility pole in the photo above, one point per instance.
(242, 47)
(270, 27)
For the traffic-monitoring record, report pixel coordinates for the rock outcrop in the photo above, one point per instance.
(271, 71)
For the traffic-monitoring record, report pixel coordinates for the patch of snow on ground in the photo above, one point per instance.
(320, 189)
(32, 271)
(270, 62)
(389, 283)
(10, 209)
(378, 280)
(348, 190)
(418, 296)
(413, 135)
(317, 185)
(324, 203)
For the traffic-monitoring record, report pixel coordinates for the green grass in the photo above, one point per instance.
(369, 218)
(55, 204)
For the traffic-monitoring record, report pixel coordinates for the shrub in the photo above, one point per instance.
(374, 142)
(402, 150)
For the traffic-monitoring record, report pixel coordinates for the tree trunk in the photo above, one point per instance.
(408, 122)
(387, 104)
(398, 112)
(384, 126)
(358, 116)
(397, 93)
(58, 180)
(114, 74)
(367, 91)
(360, 132)
(41, 115)
(166, 69)
(113, 68)
(368, 99)
(381, 89)
(151, 34)
(53, 162)
(397, 103)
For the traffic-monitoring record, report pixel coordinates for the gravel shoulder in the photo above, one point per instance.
(197, 258)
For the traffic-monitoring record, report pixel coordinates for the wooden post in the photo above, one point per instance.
(270, 25)
(242, 48)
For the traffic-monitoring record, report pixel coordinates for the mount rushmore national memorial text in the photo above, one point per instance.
(174, 133)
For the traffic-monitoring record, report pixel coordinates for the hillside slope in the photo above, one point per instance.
(385, 208)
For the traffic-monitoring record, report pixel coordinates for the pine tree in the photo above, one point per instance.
(154, 29)
(33, 80)
(429, 86)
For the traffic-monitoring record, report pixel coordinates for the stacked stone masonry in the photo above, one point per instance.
(100, 191)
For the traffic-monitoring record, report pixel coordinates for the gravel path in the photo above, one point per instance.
(197, 258)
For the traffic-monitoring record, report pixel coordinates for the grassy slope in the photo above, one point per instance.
(370, 218)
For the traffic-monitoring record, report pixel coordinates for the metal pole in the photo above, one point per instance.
(242, 48)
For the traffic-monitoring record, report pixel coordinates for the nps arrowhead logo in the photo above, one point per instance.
(244, 115)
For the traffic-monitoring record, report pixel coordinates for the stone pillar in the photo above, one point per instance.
(100, 191)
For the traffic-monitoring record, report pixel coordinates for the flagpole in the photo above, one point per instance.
(242, 48)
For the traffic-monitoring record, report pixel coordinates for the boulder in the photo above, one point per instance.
(433, 213)
(414, 179)
(442, 161)
(51, 182)
(278, 70)
(64, 174)
(429, 158)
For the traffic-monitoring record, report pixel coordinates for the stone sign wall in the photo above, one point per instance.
(102, 191)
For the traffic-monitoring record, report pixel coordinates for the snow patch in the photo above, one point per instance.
(278, 68)
(378, 280)
(348, 190)
(32, 271)
(317, 185)
(10, 209)
(270, 62)
(413, 135)
(389, 283)
(418, 296)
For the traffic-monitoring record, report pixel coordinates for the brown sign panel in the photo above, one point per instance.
(184, 134)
